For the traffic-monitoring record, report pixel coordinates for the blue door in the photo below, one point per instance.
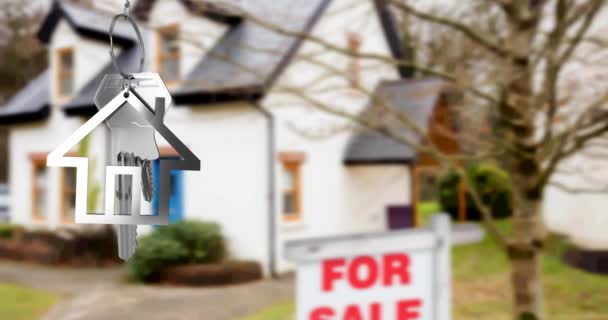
(176, 199)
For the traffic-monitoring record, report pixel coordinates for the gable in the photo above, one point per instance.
(416, 99)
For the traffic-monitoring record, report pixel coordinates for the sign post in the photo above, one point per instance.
(399, 275)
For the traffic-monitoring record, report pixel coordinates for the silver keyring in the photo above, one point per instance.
(140, 43)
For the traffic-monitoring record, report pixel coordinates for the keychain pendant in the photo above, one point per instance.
(133, 106)
(124, 112)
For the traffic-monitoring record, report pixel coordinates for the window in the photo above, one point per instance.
(68, 195)
(65, 72)
(169, 53)
(354, 66)
(292, 185)
(40, 180)
(291, 191)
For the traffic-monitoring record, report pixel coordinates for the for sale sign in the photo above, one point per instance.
(402, 275)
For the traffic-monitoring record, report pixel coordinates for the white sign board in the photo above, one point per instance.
(399, 275)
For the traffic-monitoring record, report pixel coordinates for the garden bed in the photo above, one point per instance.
(76, 246)
(217, 274)
(189, 253)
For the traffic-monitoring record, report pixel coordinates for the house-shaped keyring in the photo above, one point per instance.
(126, 98)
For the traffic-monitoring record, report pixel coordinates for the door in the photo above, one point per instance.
(176, 199)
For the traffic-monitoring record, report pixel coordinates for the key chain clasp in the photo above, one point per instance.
(140, 42)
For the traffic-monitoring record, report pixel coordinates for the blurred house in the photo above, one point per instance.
(244, 98)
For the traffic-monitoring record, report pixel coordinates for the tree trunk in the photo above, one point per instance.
(525, 255)
(525, 245)
(527, 286)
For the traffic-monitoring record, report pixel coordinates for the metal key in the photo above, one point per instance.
(133, 144)
(127, 234)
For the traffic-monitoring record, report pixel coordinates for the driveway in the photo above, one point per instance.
(102, 294)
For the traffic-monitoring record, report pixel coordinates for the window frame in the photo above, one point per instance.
(161, 57)
(292, 162)
(65, 191)
(37, 161)
(62, 73)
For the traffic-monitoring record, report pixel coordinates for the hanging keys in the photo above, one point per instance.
(133, 106)
(133, 145)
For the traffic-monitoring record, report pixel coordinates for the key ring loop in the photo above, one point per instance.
(140, 43)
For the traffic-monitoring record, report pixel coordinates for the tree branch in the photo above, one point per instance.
(472, 34)
(580, 34)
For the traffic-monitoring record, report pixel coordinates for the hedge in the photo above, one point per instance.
(492, 184)
(186, 242)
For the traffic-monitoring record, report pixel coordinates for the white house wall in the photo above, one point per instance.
(580, 216)
(231, 188)
(368, 190)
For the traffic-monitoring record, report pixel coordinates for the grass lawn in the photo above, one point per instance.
(18, 303)
(481, 288)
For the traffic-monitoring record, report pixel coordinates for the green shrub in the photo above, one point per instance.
(492, 184)
(186, 242)
(203, 241)
(7, 231)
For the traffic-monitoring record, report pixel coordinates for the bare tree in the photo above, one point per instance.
(21, 55)
(514, 61)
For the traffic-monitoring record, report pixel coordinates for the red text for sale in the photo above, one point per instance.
(367, 273)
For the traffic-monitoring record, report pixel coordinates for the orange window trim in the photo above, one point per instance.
(61, 72)
(296, 192)
(162, 57)
(38, 160)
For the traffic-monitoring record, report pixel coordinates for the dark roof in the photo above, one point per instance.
(414, 98)
(213, 11)
(29, 104)
(250, 56)
(217, 78)
(86, 22)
